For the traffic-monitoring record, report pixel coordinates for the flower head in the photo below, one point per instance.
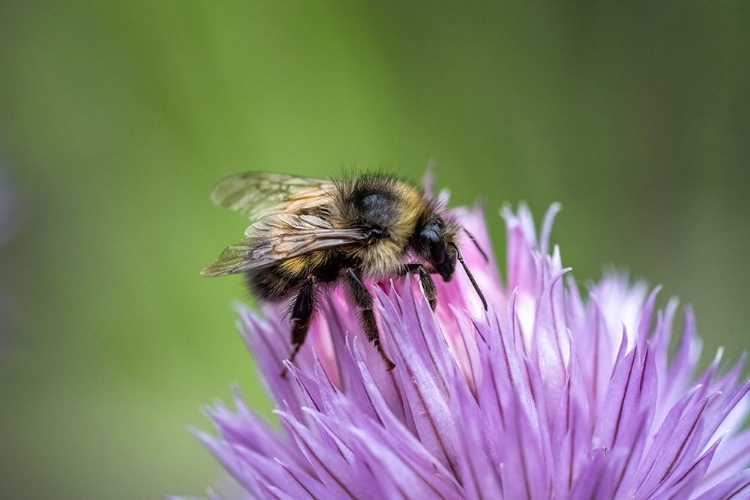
(549, 394)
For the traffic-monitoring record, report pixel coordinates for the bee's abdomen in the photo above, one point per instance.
(271, 284)
(281, 281)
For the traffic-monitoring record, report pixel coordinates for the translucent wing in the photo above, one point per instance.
(261, 194)
(275, 239)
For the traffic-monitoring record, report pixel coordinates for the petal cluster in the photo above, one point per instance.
(549, 394)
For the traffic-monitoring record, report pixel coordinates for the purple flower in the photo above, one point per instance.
(547, 395)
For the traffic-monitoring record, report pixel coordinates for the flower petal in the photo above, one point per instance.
(734, 487)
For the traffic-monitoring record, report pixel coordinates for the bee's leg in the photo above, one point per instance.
(304, 305)
(430, 291)
(362, 298)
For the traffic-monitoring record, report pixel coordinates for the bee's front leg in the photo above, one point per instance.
(362, 298)
(428, 284)
(302, 311)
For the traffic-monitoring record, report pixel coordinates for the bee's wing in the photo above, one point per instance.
(275, 239)
(261, 194)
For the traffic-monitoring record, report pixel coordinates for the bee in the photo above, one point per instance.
(308, 235)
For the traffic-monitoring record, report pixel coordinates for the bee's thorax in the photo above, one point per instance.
(390, 210)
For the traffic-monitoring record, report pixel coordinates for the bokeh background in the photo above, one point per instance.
(116, 119)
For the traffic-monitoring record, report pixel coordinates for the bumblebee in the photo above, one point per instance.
(308, 234)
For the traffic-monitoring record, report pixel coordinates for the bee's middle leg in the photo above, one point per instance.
(362, 298)
(302, 311)
(428, 284)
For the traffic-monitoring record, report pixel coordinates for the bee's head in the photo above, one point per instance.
(436, 243)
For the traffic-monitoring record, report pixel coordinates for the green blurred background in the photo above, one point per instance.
(116, 119)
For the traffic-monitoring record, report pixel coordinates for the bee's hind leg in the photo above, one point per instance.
(362, 298)
(302, 311)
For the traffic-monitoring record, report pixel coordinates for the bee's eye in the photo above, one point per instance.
(437, 247)
(438, 252)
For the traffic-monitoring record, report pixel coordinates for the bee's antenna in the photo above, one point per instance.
(476, 244)
(471, 276)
